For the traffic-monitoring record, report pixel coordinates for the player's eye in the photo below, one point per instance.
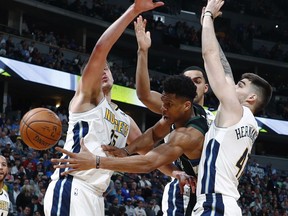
(197, 80)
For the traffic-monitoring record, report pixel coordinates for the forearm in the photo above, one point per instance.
(115, 30)
(169, 170)
(142, 144)
(133, 164)
(209, 41)
(225, 63)
(142, 76)
(150, 137)
(151, 99)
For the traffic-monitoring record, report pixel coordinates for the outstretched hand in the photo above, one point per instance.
(214, 7)
(146, 5)
(83, 160)
(143, 38)
(114, 151)
(185, 179)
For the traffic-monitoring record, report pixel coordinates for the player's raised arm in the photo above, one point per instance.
(97, 61)
(223, 86)
(151, 99)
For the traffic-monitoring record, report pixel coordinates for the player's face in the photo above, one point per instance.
(243, 90)
(3, 168)
(107, 79)
(198, 79)
(173, 108)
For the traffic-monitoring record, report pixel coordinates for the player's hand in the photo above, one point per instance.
(140, 6)
(185, 179)
(83, 160)
(143, 38)
(214, 7)
(114, 151)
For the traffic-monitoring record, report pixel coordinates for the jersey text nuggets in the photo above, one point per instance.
(119, 126)
(246, 131)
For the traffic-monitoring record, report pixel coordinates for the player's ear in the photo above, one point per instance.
(206, 88)
(252, 98)
(187, 105)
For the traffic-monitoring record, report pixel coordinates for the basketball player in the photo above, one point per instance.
(4, 197)
(189, 129)
(93, 117)
(172, 202)
(234, 130)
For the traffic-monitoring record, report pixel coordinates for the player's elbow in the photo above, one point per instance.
(143, 97)
(208, 53)
(100, 45)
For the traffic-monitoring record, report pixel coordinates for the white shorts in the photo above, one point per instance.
(70, 197)
(216, 204)
(172, 200)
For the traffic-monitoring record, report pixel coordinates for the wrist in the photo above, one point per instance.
(127, 151)
(98, 161)
(142, 50)
(208, 13)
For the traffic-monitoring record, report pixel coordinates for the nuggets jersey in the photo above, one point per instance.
(209, 116)
(75, 194)
(4, 203)
(224, 156)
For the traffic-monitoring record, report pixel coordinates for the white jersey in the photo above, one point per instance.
(224, 156)
(209, 116)
(80, 193)
(4, 203)
(102, 125)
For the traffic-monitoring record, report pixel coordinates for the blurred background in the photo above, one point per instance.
(44, 43)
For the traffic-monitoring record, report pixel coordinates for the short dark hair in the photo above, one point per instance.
(180, 85)
(198, 69)
(263, 88)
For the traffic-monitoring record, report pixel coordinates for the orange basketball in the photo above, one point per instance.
(40, 128)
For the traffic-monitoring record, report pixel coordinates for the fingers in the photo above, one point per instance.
(68, 172)
(82, 142)
(70, 154)
(192, 184)
(140, 24)
(158, 4)
(63, 166)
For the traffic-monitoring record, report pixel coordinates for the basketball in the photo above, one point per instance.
(40, 128)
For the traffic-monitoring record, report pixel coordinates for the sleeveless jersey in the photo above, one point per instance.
(4, 203)
(224, 156)
(209, 116)
(102, 125)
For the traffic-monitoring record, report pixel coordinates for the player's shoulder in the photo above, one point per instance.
(198, 122)
(199, 110)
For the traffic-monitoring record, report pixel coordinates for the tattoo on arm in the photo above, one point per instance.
(225, 64)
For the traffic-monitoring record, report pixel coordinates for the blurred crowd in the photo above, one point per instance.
(263, 189)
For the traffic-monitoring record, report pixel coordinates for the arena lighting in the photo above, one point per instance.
(188, 12)
(127, 95)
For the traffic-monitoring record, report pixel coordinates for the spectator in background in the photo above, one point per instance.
(114, 207)
(4, 139)
(129, 207)
(140, 210)
(4, 197)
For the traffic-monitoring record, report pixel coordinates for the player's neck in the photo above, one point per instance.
(1, 187)
(184, 120)
(108, 96)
